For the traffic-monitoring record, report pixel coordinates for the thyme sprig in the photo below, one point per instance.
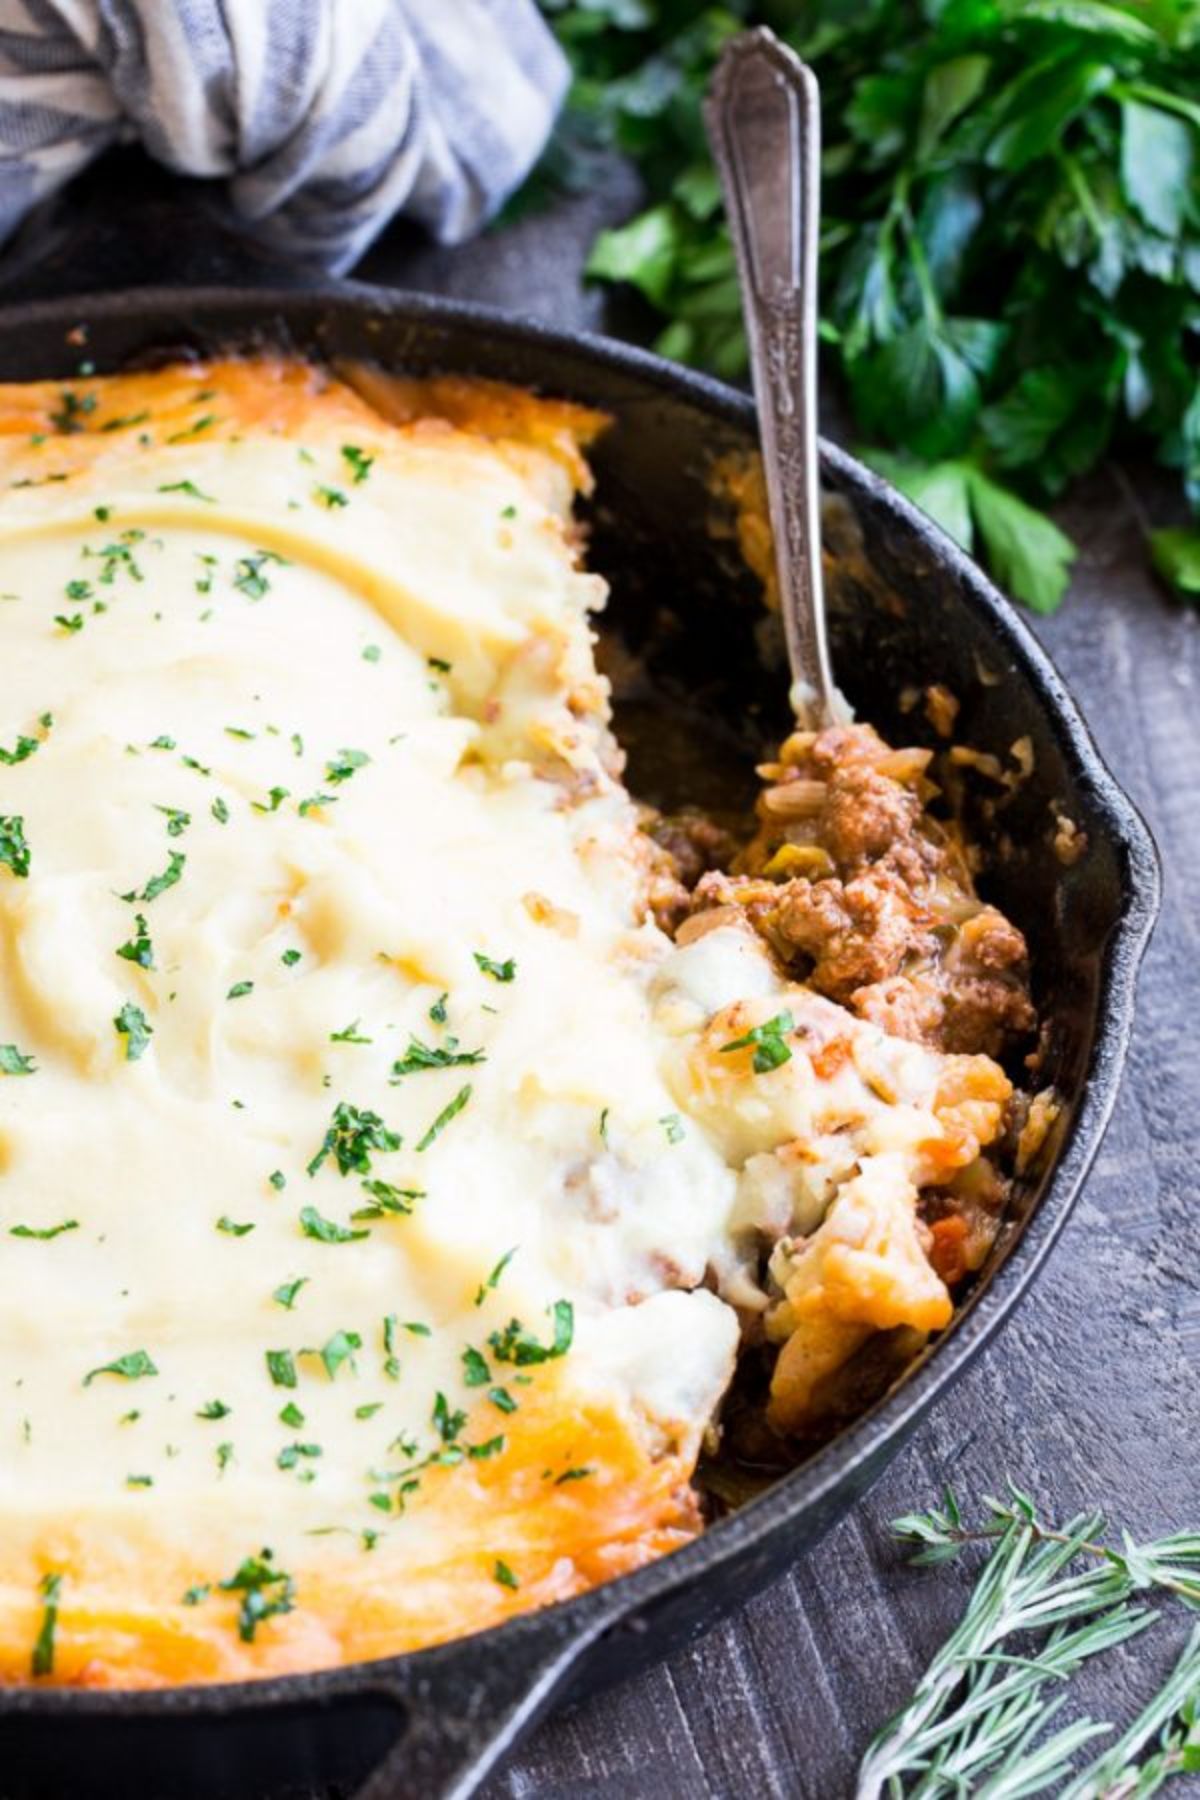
(1047, 1600)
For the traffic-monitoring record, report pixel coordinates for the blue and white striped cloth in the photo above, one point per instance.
(327, 116)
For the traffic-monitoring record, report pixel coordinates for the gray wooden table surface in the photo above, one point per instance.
(1091, 1393)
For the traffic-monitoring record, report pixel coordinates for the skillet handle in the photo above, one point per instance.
(461, 1717)
(128, 223)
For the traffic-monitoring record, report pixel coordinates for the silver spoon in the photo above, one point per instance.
(763, 118)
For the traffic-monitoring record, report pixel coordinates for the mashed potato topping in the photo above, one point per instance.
(379, 1185)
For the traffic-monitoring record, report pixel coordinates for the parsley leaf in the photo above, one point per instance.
(133, 1367)
(517, 1345)
(139, 949)
(351, 1138)
(448, 1112)
(266, 1592)
(14, 851)
(498, 971)
(15, 1062)
(420, 1056)
(42, 1660)
(131, 1024)
(770, 1051)
(326, 1231)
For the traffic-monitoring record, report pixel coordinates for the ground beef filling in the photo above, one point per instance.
(868, 899)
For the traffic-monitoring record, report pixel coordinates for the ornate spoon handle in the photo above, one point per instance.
(763, 116)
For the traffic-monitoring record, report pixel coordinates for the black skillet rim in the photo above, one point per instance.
(591, 1614)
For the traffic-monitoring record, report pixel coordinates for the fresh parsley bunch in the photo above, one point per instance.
(1011, 245)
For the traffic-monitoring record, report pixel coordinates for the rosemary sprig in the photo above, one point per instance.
(1047, 1600)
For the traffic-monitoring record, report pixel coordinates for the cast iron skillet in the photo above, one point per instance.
(908, 608)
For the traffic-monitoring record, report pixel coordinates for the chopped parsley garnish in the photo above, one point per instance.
(290, 958)
(291, 1454)
(475, 1370)
(139, 949)
(673, 1126)
(517, 1345)
(274, 800)
(189, 762)
(349, 1034)
(23, 749)
(14, 851)
(439, 665)
(45, 1233)
(239, 990)
(232, 1228)
(281, 1367)
(770, 1051)
(213, 1409)
(125, 422)
(139, 1481)
(224, 1457)
(162, 742)
(195, 1595)
(239, 731)
(421, 1056)
(504, 1575)
(177, 820)
(285, 1294)
(340, 1349)
(351, 1138)
(437, 1011)
(15, 1062)
(490, 1447)
(73, 409)
(448, 1112)
(344, 764)
(277, 1179)
(508, 512)
(604, 1127)
(119, 556)
(387, 1199)
(326, 1231)
(498, 971)
(369, 1410)
(447, 1424)
(158, 884)
(188, 488)
(70, 622)
(193, 430)
(291, 1415)
(266, 1592)
(502, 1400)
(78, 590)
(42, 1660)
(371, 653)
(134, 1366)
(329, 497)
(220, 811)
(485, 1287)
(131, 1024)
(572, 1475)
(360, 462)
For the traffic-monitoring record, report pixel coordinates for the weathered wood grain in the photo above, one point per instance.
(1092, 1392)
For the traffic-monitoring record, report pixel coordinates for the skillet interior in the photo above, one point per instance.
(906, 609)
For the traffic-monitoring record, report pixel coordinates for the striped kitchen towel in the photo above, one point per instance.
(327, 116)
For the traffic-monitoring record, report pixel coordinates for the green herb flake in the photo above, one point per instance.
(502, 1400)
(450, 1111)
(499, 971)
(345, 764)
(281, 1366)
(139, 949)
(448, 1424)
(421, 1056)
(329, 497)
(135, 1366)
(266, 1593)
(239, 990)
(14, 851)
(388, 1199)
(131, 1024)
(291, 1454)
(371, 653)
(517, 1345)
(277, 1179)
(189, 490)
(326, 1231)
(50, 1589)
(359, 461)
(158, 884)
(340, 1349)
(213, 1409)
(15, 1062)
(286, 1294)
(475, 1370)
(504, 1575)
(369, 1410)
(673, 1126)
(770, 1050)
(290, 958)
(486, 1287)
(349, 1034)
(177, 820)
(231, 1228)
(195, 1595)
(44, 1233)
(351, 1139)
(23, 749)
(291, 1416)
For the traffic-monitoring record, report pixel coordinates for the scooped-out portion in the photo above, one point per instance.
(402, 1138)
